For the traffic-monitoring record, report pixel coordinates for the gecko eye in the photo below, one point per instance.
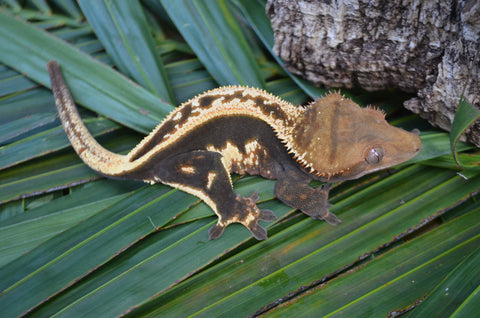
(374, 155)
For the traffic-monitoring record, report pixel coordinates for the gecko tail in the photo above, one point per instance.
(89, 150)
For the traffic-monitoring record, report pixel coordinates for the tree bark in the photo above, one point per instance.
(427, 47)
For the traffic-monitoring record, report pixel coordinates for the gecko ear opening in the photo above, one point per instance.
(374, 155)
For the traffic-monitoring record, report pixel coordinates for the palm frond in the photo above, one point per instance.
(74, 244)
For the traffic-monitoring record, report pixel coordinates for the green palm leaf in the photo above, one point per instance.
(73, 244)
(130, 45)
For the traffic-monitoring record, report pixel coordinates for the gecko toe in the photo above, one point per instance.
(254, 196)
(267, 216)
(331, 219)
(257, 231)
(215, 231)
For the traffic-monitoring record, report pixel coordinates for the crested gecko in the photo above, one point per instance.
(244, 130)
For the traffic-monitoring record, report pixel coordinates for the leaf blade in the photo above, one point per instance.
(212, 32)
(130, 45)
(119, 98)
(465, 116)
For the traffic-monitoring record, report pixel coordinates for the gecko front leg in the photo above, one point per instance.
(203, 174)
(293, 189)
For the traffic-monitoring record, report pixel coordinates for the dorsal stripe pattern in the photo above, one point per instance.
(217, 103)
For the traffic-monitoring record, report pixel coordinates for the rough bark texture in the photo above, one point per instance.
(427, 47)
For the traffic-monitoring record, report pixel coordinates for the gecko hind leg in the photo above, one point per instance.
(294, 190)
(203, 174)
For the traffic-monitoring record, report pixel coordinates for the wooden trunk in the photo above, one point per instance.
(425, 47)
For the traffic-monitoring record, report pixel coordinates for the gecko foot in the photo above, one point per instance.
(321, 212)
(247, 213)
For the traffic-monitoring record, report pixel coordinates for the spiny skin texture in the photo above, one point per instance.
(245, 130)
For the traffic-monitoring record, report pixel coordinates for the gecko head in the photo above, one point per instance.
(336, 139)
